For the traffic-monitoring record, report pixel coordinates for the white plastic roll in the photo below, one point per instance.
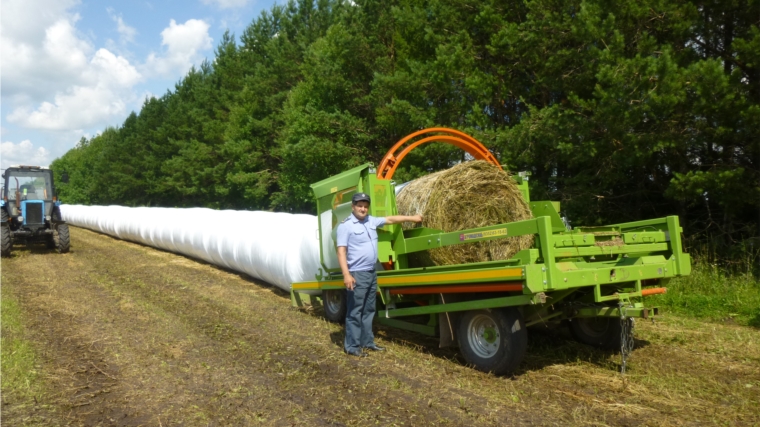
(278, 248)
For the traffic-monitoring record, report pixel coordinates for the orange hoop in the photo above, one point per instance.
(460, 139)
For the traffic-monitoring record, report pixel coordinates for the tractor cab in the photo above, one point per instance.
(28, 194)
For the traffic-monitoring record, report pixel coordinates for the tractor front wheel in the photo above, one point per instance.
(493, 340)
(61, 238)
(334, 303)
(5, 229)
(601, 332)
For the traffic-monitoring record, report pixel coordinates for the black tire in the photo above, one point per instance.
(493, 340)
(61, 238)
(6, 244)
(601, 332)
(334, 303)
(51, 242)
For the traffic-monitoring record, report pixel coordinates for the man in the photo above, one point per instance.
(357, 255)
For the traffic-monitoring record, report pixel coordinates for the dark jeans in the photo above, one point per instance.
(360, 310)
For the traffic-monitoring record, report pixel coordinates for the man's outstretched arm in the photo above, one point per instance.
(396, 219)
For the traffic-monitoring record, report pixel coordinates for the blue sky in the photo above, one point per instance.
(70, 68)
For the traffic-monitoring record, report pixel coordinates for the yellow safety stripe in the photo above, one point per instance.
(444, 277)
(418, 279)
(315, 285)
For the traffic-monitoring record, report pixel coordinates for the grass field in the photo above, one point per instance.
(115, 333)
(21, 368)
(712, 294)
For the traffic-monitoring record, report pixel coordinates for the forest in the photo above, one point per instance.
(620, 110)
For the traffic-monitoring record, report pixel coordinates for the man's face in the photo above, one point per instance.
(360, 209)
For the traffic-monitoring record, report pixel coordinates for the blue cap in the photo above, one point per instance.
(358, 197)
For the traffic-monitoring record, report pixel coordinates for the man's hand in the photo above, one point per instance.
(349, 281)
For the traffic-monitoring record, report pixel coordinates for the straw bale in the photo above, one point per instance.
(471, 194)
(615, 241)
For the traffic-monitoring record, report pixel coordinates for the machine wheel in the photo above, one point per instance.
(61, 238)
(493, 340)
(601, 332)
(5, 230)
(334, 302)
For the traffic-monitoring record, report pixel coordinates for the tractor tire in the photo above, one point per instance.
(61, 238)
(493, 340)
(334, 303)
(600, 332)
(5, 231)
(51, 239)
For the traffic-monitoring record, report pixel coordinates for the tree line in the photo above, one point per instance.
(621, 110)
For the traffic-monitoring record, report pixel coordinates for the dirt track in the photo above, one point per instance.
(128, 335)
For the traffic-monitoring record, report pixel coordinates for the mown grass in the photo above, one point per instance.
(22, 385)
(712, 293)
(170, 341)
(18, 355)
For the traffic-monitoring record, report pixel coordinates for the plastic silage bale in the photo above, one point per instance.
(279, 248)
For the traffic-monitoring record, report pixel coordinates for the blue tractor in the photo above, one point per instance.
(30, 209)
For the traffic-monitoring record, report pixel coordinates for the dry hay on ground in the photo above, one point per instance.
(469, 195)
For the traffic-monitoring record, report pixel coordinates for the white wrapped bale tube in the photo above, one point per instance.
(278, 248)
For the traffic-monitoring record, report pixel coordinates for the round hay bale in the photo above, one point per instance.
(471, 194)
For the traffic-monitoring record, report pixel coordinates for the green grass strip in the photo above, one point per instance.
(710, 293)
(18, 357)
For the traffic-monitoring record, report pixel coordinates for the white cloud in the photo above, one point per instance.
(59, 81)
(27, 20)
(23, 153)
(112, 70)
(227, 4)
(64, 49)
(183, 43)
(33, 67)
(109, 80)
(126, 33)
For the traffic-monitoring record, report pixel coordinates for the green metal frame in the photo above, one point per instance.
(585, 272)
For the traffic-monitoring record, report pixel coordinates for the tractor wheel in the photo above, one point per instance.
(61, 238)
(493, 340)
(51, 238)
(601, 332)
(334, 302)
(5, 230)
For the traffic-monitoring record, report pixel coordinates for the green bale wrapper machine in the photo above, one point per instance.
(594, 278)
